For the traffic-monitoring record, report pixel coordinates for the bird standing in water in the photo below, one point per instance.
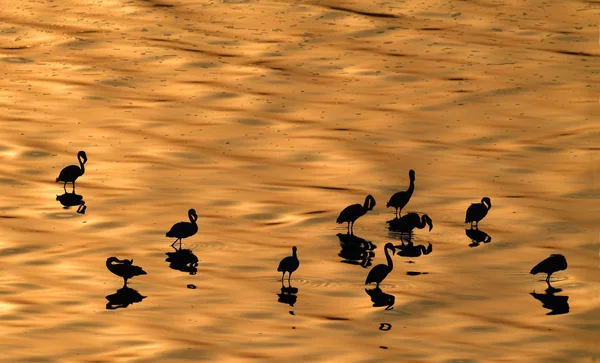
(410, 221)
(477, 211)
(123, 268)
(289, 264)
(184, 229)
(552, 264)
(352, 212)
(380, 272)
(400, 199)
(70, 173)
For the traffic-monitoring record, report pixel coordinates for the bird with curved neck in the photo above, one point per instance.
(552, 264)
(477, 211)
(401, 199)
(184, 229)
(70, 173)
(410, 221)
(123, 268)
(380, 272)
(352, 212)
(289, 264)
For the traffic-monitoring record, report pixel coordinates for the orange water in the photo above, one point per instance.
(268, 118)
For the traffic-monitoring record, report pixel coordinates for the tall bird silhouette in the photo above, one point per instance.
(123, 268)
(410, 221)
(400, 199)
(477, 211)
(184, 229)
(289, 264)
(552, 264)
(352, 212)
(380, 272)
(70, 173)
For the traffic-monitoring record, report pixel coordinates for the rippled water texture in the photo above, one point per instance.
(269, 117)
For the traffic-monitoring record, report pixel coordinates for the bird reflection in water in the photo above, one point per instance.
(288, 295)
(410, 250)
(124, 296)
(477, 236)
(380, 298)
(183, 260)
(68, 200)
(355, 250)
(556, 304)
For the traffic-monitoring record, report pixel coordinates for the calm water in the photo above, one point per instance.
(268, 118)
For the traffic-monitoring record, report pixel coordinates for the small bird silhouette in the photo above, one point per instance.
(123, 268)
(410, 221)
(289, 264)
(184, 229)
(380, 272)
(352, 212)
(70, 173)
(477, 211)
(401, 199)
(552, 264)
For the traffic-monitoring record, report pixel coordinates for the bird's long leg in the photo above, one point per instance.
(124, 282)
(283, 274)
(352, 228)
(180, 243)
(65, 186)
(348, 230)
(398, 214)
(73, 186)
(476, 224)
(173, 244)
(289, 277)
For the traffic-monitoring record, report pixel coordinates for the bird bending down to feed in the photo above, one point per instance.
(123, 268)
(289, 264)
(410, 221)
(352, 212)
(552, 264)
(380, 272)
(184, 229)
(477, 211)
(400, 199)
(70, 173)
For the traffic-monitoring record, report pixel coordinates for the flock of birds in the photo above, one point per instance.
(401, 223)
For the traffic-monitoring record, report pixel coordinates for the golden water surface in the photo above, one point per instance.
(269, 117)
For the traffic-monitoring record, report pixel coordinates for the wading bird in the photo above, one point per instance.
(550, 265)
(477, 211)
(184, 229)
(70, 173)
(352, 212)
(400, 199)
(380, 272)
(289, 264)
(123, 268)
(410, 221)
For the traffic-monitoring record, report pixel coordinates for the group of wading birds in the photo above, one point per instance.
(404, 224)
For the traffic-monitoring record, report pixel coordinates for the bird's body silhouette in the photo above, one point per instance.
(400, 199)
(352, 212)
(70, 173)
(123, 268)
(289, 264)
(552, 264)
(478, 211)
(410, 221)
(380, 272)
(410, 250)
(184, 229)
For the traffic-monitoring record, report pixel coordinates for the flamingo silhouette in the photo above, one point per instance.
(380, 272)
(70, 173)
(410, 221)
(184, 229)
(289, 264)
(477, 211)
(552, 264)
(400, 199)
(123, 268)
(352, 212)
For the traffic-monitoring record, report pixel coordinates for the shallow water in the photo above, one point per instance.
(268, 118)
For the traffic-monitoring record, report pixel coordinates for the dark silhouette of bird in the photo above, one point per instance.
(288, 295)
(552, 264)
(184, 229)
(124, 297)
(123, 268)
(477, 236)
(289, 264)
(400, 199)
(558, 304)
(477, 211)
(410, 250)
(70, 173)
(380, 298)
(380, 272)
(410, 221)
(352, 212)
(183, 260)
(355, 250)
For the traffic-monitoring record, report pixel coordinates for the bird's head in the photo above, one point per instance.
(370, 202)
(192, 214)
(428, 221)
(411, 175)
(486, 201)
(82, 155)
(391, 247)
